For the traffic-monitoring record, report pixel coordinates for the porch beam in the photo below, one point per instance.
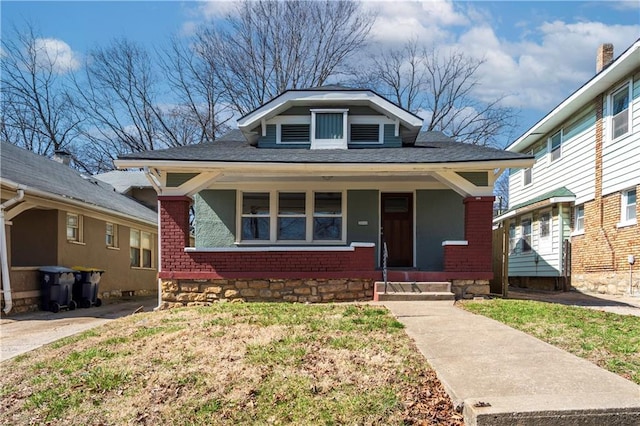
(16, 210)
(461, 185)
(193, 185)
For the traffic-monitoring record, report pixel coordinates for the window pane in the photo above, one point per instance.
(396, 205)
(365, 133)
(135, 256)
(72, 233)
(255, 203)
(328, 203)
(630, 205)
(327, 228)
(329, 126)
(579, 219)
(526, 235)
(72, 220)
(620, 101)
(527, 176)
(544, 225)
(134, 239)
(146, 240)
(620, 124)
(294, 133)
(146, 258)
(291, 203)
(255, 228)
(291, 228)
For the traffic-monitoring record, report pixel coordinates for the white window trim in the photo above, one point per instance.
(290, 119)
(80, 228)
(530, 219)
(550, 146)
(628, 85)
(547, 238)
(114, 228)
(624, 221)
(369, 119)
(576, 232)
(273, 218)
(329, 143)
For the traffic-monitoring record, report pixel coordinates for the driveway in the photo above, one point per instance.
(623, 305)
(24, 332)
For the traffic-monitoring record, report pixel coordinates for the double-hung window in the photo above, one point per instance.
(291, 216)
(578, 219)
(74, 227)
(628, 209)
(141, 252)
(255, 216)
(620, 111)
(527, 173)
(513, 240)
(111, 235)
(555, 145)
(544, 222)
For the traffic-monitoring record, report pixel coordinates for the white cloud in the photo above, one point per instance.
(57, 54)
(539, 75)
(425, 20)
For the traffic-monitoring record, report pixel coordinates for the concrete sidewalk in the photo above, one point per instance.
(24, 332)
(501, 376)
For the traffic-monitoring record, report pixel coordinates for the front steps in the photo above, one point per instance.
(412, 291)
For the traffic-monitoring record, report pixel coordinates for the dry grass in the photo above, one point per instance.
(230, 364)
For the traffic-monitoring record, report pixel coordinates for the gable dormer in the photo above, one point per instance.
(330, 118)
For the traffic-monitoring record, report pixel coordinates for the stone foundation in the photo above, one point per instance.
(178, 293)
(614, 283)
(468, 289)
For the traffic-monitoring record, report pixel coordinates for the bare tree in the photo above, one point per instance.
(36, 111)
(269, 46)
(440, 86)
(201, 114)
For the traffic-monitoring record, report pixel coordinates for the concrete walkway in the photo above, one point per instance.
(500, 376)
(25, 332)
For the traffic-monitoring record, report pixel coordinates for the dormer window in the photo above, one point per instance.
(328, 127)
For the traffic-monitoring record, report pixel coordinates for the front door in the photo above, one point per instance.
(397, 228)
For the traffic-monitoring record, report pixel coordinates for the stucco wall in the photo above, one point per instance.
(119, 275)
(34, 236)
(439, 217)
(215, 218)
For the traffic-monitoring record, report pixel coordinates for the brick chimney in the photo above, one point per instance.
(62, 157)
(604, 56)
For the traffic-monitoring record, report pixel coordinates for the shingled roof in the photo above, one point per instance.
(39, 173)
(430, 148)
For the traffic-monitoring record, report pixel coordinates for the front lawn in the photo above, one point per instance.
(230, 364)
(609, 340)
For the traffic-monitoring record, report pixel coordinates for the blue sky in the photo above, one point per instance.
(536, 53)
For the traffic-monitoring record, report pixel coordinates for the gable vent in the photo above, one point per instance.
(365, 133)
(295, 133)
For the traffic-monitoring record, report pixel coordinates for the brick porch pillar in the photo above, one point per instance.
(478, 225)
(174, 231)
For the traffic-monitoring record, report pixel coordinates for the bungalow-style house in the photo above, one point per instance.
(53, 215)
(299, 203)
(573, 214)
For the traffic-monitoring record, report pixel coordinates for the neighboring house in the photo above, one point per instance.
(574, 213)
(133, 184)
(296, 204)
(53, 215)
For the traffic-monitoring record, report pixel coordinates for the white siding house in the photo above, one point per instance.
(581, 191)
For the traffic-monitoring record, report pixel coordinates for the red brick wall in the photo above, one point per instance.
(476, 256)
(174, 222)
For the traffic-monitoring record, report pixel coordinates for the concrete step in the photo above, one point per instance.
(417, 291)
(413, 287)
(413, 296)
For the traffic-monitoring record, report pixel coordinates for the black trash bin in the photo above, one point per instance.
(56, 283)
(85, 288)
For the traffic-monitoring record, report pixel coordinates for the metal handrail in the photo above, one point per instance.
(385, 254)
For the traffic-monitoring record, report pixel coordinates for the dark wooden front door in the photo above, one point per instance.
(397, 228)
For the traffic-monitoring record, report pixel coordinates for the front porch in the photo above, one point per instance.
(308, 274)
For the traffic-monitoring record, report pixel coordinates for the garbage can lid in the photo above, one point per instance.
(86, 269)
(55, 269)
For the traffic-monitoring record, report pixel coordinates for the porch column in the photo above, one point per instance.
(478, 225)
(174, 231)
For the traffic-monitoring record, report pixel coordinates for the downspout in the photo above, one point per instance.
(6, 283)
